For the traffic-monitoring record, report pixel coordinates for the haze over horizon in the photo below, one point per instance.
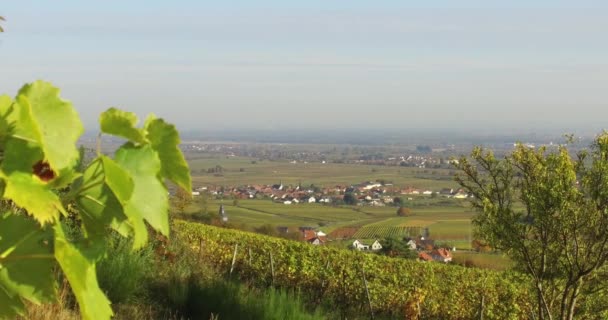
(498, 67)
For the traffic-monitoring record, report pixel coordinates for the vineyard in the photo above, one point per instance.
(396, 287)
(380, 232)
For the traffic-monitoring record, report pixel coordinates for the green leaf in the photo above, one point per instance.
(10, 305)
(104, 191)
(149, 200)
(35, 196)
(6, 104)
(165, 140)
(50, 122)
(26, 262)
(81, 273)
(120, 123)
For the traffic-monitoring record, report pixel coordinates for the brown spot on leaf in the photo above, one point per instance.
(43, 170)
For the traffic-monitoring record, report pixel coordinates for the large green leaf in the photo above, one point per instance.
(10, 306)
(104, 191)
(165, 140)
(122, 124)
(26, 261)
(80, 272)
(149, 200)
(53, 123)
(6, 104)
(35, 196)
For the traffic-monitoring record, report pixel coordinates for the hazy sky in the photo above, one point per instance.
(510, 65)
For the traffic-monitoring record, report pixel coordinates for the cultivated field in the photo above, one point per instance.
(241, 171)
(447, 220)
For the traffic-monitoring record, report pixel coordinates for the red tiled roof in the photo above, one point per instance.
(425, 256)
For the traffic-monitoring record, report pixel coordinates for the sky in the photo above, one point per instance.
(319, 64)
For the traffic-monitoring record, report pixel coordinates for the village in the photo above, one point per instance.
(425, 248)
(363, 194)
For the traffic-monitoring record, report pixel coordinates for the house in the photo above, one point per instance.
(410, 243)
(317, 241)
(425, 244)
(441, 255)
(283, 229)
(287, 202)
(312, 200)
(460, 196)
(424, 256)
(446, 191)
(427, 192)
(358, 245)
(196, 193)
(321, 234)
(309, 234)
(376, 246)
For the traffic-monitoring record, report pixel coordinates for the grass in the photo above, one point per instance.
(446, 223)
(122, 274)
(231, 300)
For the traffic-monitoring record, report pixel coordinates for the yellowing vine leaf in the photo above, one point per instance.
(149, 200)
(122, 124)
(165, 140)
(105, 189)
(53, 123)
(35, 196)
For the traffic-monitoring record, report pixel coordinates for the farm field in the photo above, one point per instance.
(446, 224)
(241, 171)
(447, 220)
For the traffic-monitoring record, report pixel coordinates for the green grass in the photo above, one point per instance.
(450, 224)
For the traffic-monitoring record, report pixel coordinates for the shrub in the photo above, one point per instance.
(122, 273)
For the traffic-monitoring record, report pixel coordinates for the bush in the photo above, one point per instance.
(403, 211)
(123, 272)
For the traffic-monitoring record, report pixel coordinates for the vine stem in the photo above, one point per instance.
(29, 256)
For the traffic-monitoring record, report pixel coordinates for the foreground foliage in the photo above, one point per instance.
(43, 185)
(397, 287)
(548, 210)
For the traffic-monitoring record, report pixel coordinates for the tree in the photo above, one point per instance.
(397, 248)
(403, 211)
(548, 211)
(181, 200)
(2, 19)
(48, 186)
(398, 201)
(350, 199)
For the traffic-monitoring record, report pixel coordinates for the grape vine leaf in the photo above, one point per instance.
(121, 123)
(104, 191)
(5, 108)
(81, 273)
(34, 195)
(165, 140)
(53, 123)
(149, 200)
(26, 261)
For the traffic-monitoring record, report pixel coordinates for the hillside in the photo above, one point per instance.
(397, 287)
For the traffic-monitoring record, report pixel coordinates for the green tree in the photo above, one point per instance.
(397, 248)
(398, 201)
(40, 161)
(548, 211)
(350, 199)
